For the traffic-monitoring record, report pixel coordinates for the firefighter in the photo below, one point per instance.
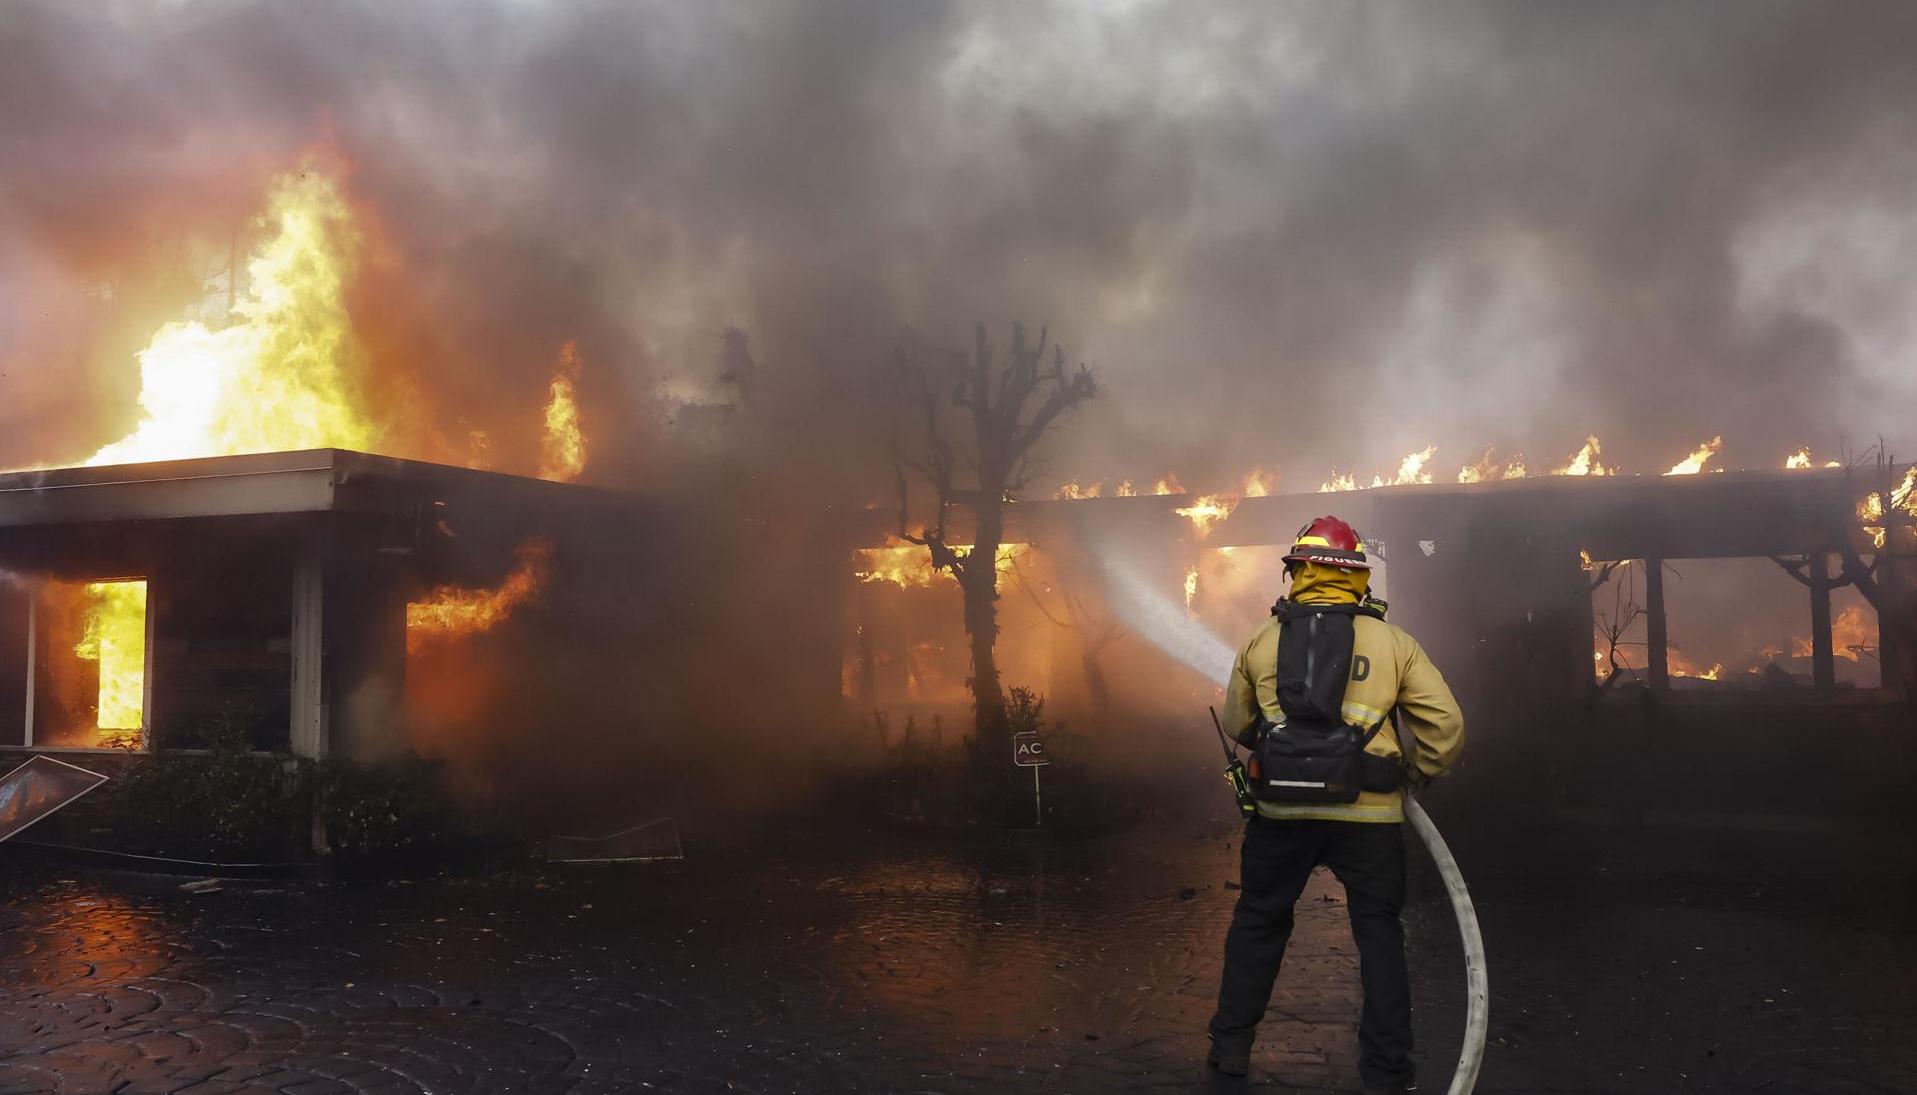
(1329, 619)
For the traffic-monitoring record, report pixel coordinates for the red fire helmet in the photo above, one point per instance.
(1330, 541)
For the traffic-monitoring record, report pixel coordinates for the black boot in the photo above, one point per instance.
(1231, 1056)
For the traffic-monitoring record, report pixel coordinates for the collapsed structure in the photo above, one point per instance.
(1541, 592)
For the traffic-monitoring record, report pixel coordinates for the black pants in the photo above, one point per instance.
(1275, 863)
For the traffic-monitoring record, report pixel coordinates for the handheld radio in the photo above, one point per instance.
(1235, 774)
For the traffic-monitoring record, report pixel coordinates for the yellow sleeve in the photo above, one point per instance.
(1431, 713)
(1241, 698)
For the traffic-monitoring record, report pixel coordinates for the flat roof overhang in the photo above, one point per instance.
(464, 524)
(1709, 515)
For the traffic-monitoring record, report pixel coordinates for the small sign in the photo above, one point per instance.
(1028, 751)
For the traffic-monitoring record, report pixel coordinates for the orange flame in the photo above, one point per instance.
(1487, 469)
(1870, 512)
(1073, 492)
(1700, 456)
(1208, 511)
(563, 453)
(115, 637)
(450, 612)
(1168, 485)
(1585, 461)
(279, 377)
(1127, 490)
(1412, 469)
(909, 566)
(1259, 483)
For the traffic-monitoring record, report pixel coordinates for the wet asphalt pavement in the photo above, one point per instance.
(844, 961)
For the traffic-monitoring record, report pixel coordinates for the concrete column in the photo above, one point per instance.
(309, 736)
(1654, 625)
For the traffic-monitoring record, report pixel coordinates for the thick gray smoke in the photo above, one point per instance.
(1296, 235)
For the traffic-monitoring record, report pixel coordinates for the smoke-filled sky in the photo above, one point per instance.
(1296, 235)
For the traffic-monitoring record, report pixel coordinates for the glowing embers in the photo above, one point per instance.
(909, 566)
(451, 612)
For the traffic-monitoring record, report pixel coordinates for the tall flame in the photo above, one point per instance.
(1871, 511)
(115, 637)
(1700, 456)
(453, 612)
(563, 454)
(278, 378)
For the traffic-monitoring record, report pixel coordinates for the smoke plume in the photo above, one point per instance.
(1292, 235)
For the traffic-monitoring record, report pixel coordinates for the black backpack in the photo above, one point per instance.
(1314, 755)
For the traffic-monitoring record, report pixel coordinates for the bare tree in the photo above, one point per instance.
(1010, 404)
(1625, 612)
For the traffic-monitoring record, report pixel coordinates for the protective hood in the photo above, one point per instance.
(1318, 584)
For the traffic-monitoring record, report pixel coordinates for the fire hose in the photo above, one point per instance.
(1477, 983)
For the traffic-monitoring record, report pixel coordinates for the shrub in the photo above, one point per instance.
(390, 809)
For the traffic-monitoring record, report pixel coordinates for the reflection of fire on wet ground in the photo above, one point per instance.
(857, 961)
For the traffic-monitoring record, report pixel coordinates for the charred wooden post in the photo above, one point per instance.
(1655, 635)
(1823, 661)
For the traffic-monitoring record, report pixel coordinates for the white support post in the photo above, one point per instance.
(33, 656)
(308, 698)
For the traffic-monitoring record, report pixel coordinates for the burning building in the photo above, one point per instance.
(1524, 583)
(276, 596)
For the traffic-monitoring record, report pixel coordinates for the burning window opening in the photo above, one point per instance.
(452, 612)
(1728, 624)
(84, 684)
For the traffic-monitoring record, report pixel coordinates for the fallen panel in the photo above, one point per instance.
(644, 843)
(39, 788)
